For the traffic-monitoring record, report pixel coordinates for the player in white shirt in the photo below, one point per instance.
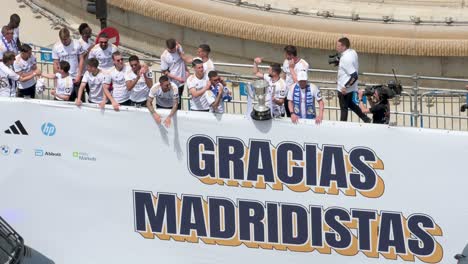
(120, 93)
(14, 23)
(85, 41)
(138, 79)
(302, 98)
(8, 76)
(218, 91)
(203, 54)
(103, 53)
(292, 66)
(24, 64)
(276, 87)
(69, 50)
(198, 84)
(173, 65)
(98, 92)
(63, 82)
(7, 41)
(166, 94)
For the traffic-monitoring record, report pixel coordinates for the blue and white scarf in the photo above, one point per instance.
(10, 47)
(310, 103)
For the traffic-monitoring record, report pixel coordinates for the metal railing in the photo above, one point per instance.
(448, 21)
(417, 106)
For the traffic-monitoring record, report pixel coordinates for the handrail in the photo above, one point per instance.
(448, 21)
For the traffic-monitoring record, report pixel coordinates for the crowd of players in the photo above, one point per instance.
(98, 70)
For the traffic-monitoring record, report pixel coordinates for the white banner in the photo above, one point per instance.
(82, 185)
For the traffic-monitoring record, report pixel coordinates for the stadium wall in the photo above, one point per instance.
(238, 35)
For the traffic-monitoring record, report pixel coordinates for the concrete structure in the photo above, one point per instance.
(427, 10)
(237, 34)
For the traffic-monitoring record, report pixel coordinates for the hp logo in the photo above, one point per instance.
(48, 129)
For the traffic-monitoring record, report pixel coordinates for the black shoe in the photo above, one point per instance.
(463, 108)
(367, 119)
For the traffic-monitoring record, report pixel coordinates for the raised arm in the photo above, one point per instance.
(256, 70)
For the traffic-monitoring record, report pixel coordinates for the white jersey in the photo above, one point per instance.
(7, 46)
(139, 93)
(278, 89)
(16, 34)
(199, 102)
(349, 64)
(173, 63)
(119, 87)
(301, 65)
(70, 54)
(95, 83)
(165, 99)
(103, 56)
(314, 89)
(208, 66)
(211, 97)
(7, 79)
(64, 86)
(25, 66)
(85, 46)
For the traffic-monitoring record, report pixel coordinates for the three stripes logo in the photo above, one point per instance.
(17, 129)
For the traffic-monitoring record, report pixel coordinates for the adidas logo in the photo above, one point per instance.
(17, 129)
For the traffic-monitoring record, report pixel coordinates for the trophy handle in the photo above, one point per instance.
(249, 91)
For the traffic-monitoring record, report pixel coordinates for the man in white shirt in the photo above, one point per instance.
(174, 66)
(276, 89)
(302, 97)
(8, 76)
(218, 90)
(117, 77)
(8, 43)
(24, 64)
(292, 66)
(203, 54)
(14, 23)
(347, 79)
(103, 53)
(138, 80)
(85, 41)
(98, 92)
(69, 50)
(198, 84)
(63, 82)
(166, 94)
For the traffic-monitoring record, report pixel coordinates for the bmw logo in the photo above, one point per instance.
(5, 150)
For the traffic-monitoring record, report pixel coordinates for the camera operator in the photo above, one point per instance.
(348, 69)
(380, 106)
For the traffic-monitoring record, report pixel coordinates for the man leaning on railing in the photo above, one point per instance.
(166, 94)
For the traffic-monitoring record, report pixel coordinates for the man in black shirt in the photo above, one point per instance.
(380, 107)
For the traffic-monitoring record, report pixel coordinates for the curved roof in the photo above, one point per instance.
(317, 33)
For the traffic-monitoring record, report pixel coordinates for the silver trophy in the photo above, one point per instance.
(260, 111)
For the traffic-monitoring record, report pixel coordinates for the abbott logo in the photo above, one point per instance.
(48, 129)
